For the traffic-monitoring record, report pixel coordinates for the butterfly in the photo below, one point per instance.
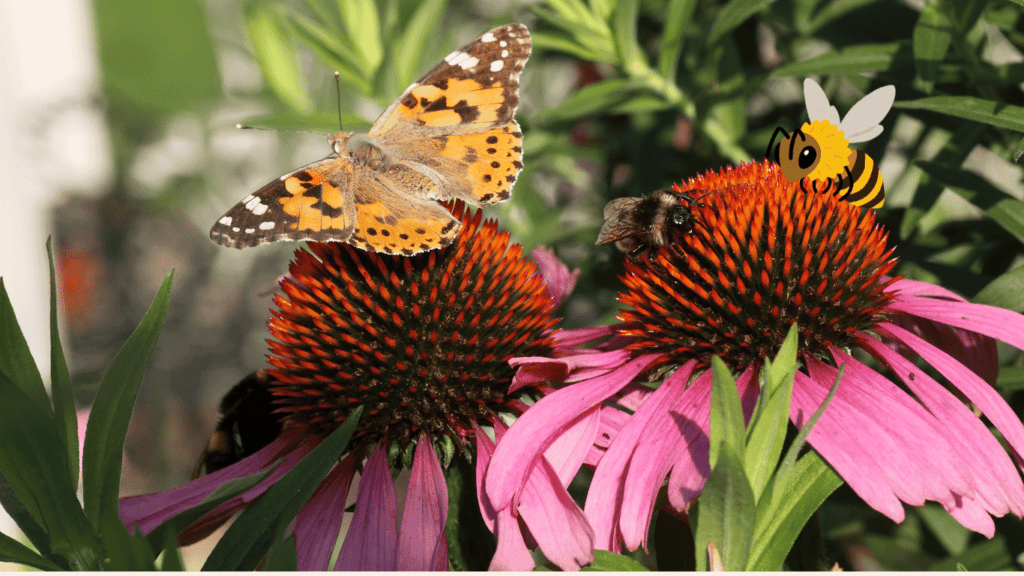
(450, 135)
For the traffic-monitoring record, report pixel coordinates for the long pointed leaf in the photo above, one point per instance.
(15, 357)
(726, 427)
(108, 420)
(13, 551)
(767, 432)
(64, 417)
(725, 513)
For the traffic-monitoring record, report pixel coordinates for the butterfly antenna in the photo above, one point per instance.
(337, 90)
(247, 127)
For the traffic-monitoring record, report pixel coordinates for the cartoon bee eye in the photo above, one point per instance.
(808, 156)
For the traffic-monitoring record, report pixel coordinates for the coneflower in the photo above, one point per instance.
(767, 255)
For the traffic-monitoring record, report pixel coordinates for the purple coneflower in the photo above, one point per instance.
(423, 344)
(919, 360)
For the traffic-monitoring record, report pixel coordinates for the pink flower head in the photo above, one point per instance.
(763, 256)
(423, 344)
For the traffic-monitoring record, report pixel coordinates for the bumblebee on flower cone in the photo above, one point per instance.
(637, 225)
(819, 152)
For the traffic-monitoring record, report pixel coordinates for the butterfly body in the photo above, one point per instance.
(451, 135)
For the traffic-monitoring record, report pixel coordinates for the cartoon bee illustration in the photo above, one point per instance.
(636, 225)
(248, 424)
(819, 151)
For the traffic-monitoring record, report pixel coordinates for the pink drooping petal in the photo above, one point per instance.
(691, 461)
(998, 483)
(567, 453)
(604, 498)
(533, 433)
(558, 281)
(554, 519)
(422, 544)
(535, 369)
(914, 457)
(151, 510)
(906, 287)
(977, 390)
(661, 444)
(851, 458)
(969, 513)
(372, 539)
(992, 321)
(632, 396)
(512, 552)
(570, 339)
(318, 523)
(971, 349)
(612, 421)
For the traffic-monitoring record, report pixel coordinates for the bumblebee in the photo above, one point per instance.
(247, 424)
(636, 225)
(819, 152)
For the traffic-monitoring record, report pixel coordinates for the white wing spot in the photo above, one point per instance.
(489, 37)
(502, 43)
(259, 209)
(250, 230)
(266, 225)
(251, 202)
(250, 196)
(504, 53)
(235, 229)
(462, 60)
(225, 221)
(497, 65)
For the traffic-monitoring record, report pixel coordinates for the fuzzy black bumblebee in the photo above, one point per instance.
(247, 424)
(636, 225)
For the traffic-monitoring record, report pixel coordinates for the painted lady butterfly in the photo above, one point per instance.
(451, 135)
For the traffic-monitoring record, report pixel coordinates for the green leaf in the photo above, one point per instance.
(790, 502)
(725, 513)
(324, 45)
(276, 57)
(850, 60)
(631, 56)
(970, 108)
(1018, 150)
(13, 551)
(112, 409)
(362, 22)
(734, 13)
(23, 517)
(423, 25)
(64, 417)
(283, 556)
(15, 358)
(591, 99)
(470, 544)
(156, 56)
(988, 555)
(33, 461)
(933, 34)
(767, 431)
(678, 20)
(832, 12)
(726, 428)
(1010, 379)
(252, 533)
(605, 561)
(953, 536)
(171, 560)
(550, 42)
(1004, 292)
(125, 551)
(1007, 211)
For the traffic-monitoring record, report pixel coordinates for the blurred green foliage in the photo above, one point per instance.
(623, 98)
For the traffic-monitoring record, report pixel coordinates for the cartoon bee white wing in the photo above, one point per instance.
(818, 107)
(863, 121)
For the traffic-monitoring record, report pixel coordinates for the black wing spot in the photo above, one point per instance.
(495, 164)
(421, 231)
(487, 177)
(385, 232)
(303, 175)
(491, 150)
(466, 112)
(409, 101)
(492, 139)
(371, 231)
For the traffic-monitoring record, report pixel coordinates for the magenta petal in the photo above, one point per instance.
(998, 483)
(151, 510)
(318, 523)
(558, 281)
(554, 519)
(567, 453)
(907, 287)
(534, 432)
(971, 349)
(673, 420)
(976, 389)
(972, 516)
(998, 323)
(372, 539)
(604, 499)
(850, 457)
(512, 553)
(580, 336)
(422, 544)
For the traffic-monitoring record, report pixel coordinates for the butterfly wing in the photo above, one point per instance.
(313, 203)
(455, 124)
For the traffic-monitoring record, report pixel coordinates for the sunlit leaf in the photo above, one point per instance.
(64, 417)
(850, 60)
(725, 513)
(970, 108)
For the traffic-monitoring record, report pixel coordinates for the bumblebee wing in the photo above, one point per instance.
(862, 122)
(618, 221)
(818, 107)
